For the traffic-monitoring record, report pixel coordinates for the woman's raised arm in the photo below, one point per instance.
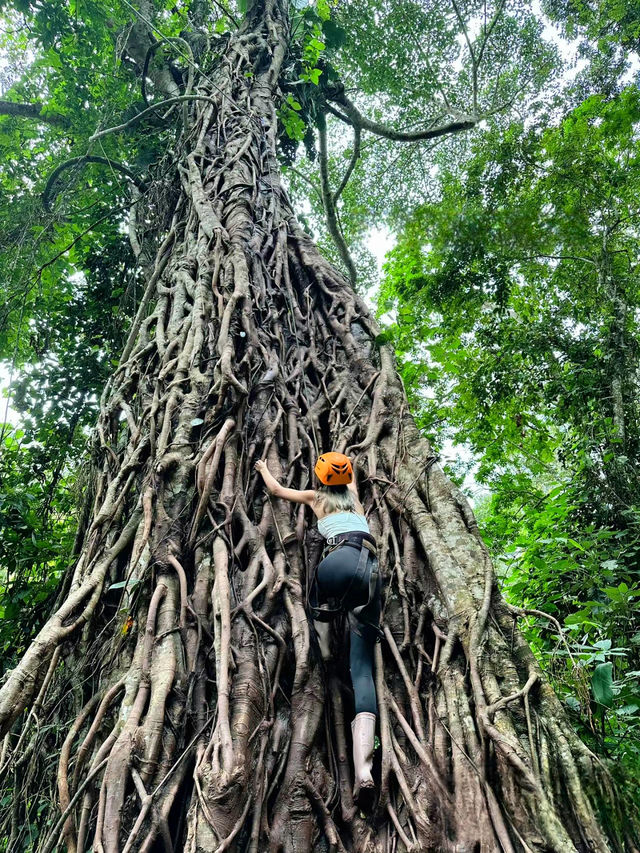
(299, 496)
(353, 488)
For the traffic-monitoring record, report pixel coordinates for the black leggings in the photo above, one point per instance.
(334, 575)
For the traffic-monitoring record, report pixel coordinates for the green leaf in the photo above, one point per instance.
(385, 337)
(601, 684)
(323, 9)
(122, 584)
(573, 703)
(582, 616)
(334, 35)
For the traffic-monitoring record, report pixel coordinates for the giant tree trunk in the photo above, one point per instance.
(176, 697)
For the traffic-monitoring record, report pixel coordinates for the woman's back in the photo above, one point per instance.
(342, 522)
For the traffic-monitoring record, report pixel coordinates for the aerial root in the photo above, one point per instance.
(63, 771)
(335, 844)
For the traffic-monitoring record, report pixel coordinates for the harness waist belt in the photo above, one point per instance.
(357, 538)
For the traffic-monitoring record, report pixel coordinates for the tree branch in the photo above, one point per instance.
(352, 163)
(474, 61)
(88, 158)
(227, 13)
(329, 203)
(306, 178)
(355, 117)
(167, 102)
(425, 57)
(338, 114)
(537, 255)
(488, 30)
(10, 108)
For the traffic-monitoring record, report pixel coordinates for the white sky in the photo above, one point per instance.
(6, 412)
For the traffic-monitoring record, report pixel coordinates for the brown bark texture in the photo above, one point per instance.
(176, 698)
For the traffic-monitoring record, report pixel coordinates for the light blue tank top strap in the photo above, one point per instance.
(342, 522)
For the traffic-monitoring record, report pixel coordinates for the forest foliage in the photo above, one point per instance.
(515, 302)
(511, 294)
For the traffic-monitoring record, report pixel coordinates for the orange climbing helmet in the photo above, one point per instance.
(334, 469)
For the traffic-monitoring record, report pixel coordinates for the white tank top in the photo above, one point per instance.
(342, 522)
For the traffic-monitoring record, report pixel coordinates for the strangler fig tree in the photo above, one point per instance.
(175, 698)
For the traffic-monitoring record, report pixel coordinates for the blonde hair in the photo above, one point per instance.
(335, 499)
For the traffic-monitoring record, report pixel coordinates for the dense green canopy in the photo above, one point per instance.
(517, 304)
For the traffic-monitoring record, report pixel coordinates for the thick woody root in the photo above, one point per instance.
(179, 686)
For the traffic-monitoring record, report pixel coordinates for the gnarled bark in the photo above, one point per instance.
(187, 702)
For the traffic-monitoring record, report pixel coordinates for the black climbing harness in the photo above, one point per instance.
(367, 568)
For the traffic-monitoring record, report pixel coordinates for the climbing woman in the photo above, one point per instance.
(346, 580)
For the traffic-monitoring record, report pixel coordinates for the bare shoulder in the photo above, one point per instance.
(307, 496)
(356, 497)
(317, 506)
